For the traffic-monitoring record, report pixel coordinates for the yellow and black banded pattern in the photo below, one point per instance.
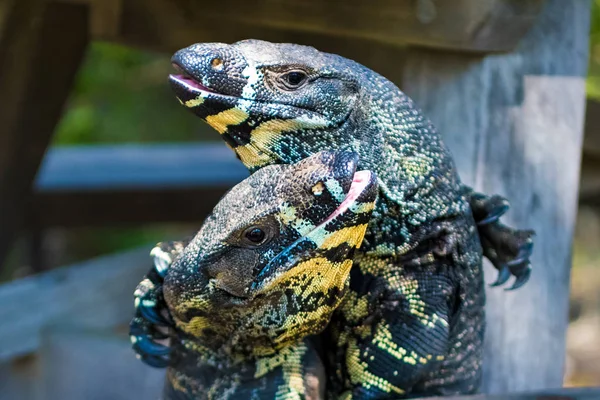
(413, 324)
(262, 277)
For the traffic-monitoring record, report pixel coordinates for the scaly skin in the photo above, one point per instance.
(413, 323)
(261, 278)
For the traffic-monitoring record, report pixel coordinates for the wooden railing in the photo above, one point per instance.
(63, 335)
(132, 184)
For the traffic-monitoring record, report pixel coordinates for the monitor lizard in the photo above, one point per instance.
(413, 321)
(265, 272)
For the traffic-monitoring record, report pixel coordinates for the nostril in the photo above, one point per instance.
(177, 68)
(180, 71)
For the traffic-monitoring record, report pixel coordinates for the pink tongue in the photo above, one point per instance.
(359, 183)
(190, 83)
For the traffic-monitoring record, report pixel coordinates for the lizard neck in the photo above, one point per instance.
(413, 165)
(401, 144)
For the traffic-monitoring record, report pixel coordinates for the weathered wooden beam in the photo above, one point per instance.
(515, 125)
(40, 51)
(465, 25)
(77, 363)
(470, 25)
(97, 293)
(138, 166)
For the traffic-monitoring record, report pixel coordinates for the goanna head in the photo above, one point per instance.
(272, 103)
(271, 263)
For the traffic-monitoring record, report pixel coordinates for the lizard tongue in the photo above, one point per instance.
(362, 192)
(361, 181)
(189, 83)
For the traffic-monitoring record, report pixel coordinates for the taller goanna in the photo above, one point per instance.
(413, 322)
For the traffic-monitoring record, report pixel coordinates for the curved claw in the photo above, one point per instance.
(151, 309)
(487, 209)
(139, 327)
(144, 346)
(158, 335)
(155, 361)
(521, 279)
(495, 214)
(149, 313)
(523, 255)
(503, 276)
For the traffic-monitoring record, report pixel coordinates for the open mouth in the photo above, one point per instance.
(184, 79)
(362, 181)
(189, 83)
(187, 88)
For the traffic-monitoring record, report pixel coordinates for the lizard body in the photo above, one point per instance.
(413, 322)
(263, 275)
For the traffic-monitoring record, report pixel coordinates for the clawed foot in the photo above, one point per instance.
(508, 249)
(152, 319)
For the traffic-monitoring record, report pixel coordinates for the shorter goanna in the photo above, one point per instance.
(263, 275)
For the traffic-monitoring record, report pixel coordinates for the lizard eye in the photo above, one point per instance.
(217, 64)
(255, 235)
(294, 79)
(318, 189)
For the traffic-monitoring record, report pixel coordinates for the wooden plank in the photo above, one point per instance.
(97, 294)
(557, 394)
(466, 25)
(131, 184)
(514, 123)
(40, 51)
(139, 166)
(75, 362)
(71, 357)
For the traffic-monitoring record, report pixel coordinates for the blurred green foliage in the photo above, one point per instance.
(122, 95)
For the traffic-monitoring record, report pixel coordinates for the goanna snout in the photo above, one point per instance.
(218, 67)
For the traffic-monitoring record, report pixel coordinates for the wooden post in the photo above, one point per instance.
(41, 47)
(468, 25)
(514, 123)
